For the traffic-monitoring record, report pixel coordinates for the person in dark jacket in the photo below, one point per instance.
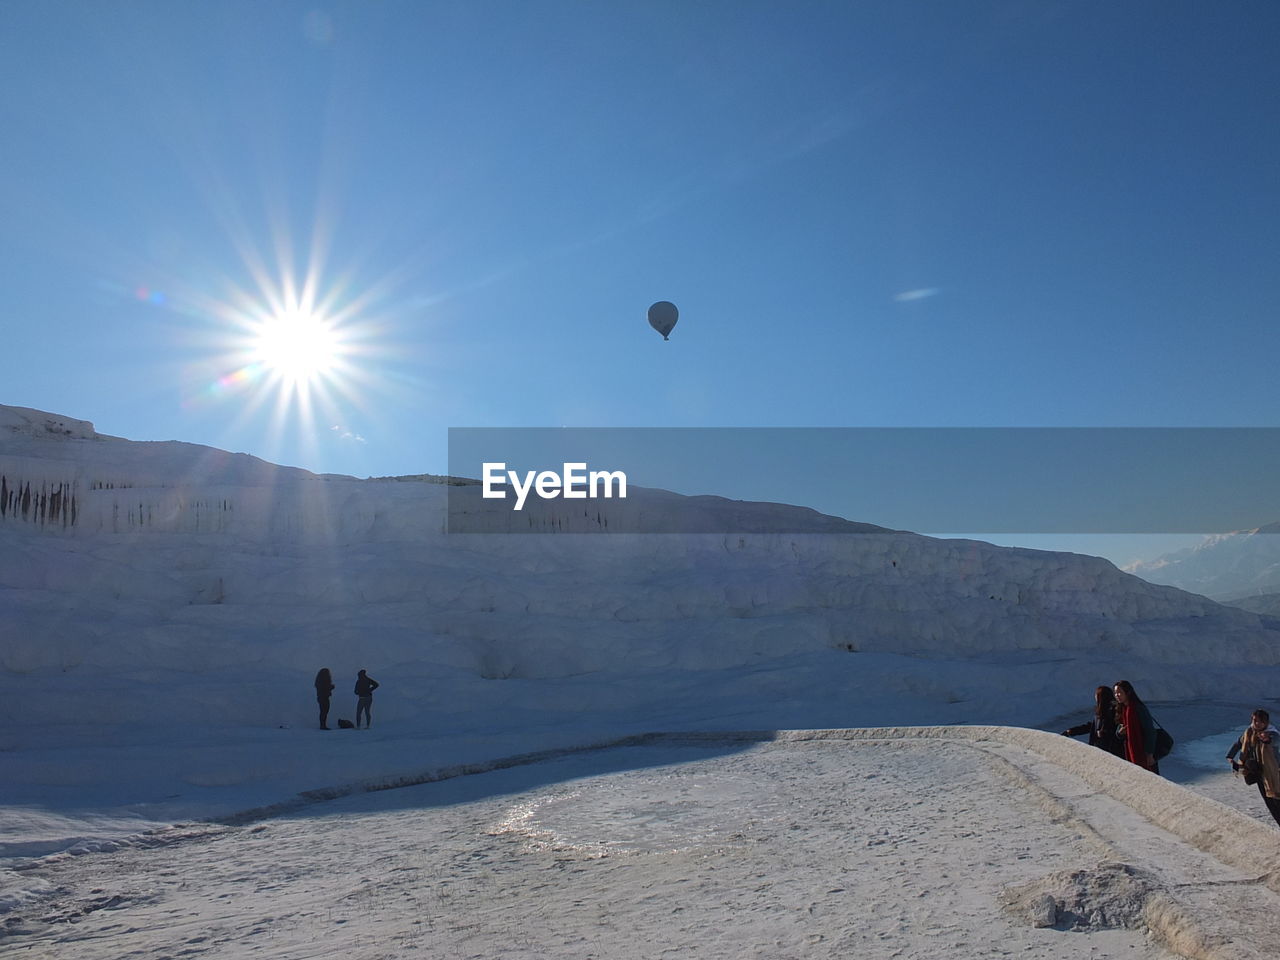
(365, 685)
(1102, 729)
(1137, 726)
(324, 690)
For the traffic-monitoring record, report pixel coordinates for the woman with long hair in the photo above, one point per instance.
(1102, 729)
(1137, 727)
(324, 690)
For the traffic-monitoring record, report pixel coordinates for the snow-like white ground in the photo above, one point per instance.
(916, 844)
(164, 607)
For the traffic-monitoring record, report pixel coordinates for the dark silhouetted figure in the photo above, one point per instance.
(365, 685)
(1102, 729)
(324, 690)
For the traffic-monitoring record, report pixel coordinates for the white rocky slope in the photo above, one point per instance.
(1229, 568)
(217, 583)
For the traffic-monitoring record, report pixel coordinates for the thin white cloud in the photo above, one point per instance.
(923, 293)
(345, 434)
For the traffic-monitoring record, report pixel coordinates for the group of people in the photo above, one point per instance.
(365, 685)
(1122, 725)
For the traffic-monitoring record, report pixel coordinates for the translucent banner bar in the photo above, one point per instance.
(928, 480)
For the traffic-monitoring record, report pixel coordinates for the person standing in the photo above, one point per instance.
(1257, 746)
(1102, 731)
(365, 685)
(1137, 726)
(324, 690)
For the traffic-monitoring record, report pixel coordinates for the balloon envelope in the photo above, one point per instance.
(663, 316)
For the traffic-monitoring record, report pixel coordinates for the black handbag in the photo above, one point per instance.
(1251, 762)
(1164, 741)
(1251, 768)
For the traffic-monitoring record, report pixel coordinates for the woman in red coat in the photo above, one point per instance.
(1139, 727)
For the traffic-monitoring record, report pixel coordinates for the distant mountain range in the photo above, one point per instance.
(1241, 568)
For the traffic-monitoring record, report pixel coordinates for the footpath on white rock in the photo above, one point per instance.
(814, 845)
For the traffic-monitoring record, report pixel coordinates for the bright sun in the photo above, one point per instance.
(297, 345)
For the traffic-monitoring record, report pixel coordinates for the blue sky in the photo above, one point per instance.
(869, 214)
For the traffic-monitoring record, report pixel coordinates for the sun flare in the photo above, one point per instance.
(296, 345)
(297, 351)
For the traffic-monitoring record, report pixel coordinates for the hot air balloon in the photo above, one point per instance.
(663, 316)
